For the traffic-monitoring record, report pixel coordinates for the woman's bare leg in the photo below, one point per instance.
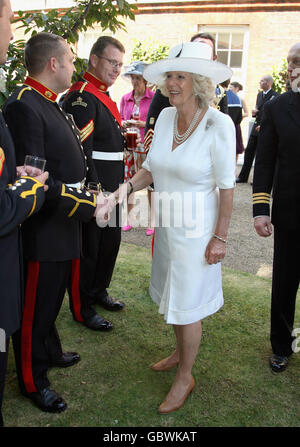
(188, 341)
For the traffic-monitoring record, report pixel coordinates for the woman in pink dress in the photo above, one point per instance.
(134, 109)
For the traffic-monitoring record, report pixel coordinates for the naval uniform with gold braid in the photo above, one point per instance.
(19, 199)
(99, 122)
(277, 168)
(51, 238)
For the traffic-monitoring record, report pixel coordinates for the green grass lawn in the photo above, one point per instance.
(114, 386)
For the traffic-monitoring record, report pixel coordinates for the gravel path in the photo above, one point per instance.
(246, 251)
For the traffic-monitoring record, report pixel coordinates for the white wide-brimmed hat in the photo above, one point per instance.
(135, 68)
(191, 57)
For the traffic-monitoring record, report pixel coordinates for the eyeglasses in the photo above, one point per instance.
(112, 62)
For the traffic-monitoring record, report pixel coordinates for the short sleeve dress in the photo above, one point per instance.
(186, 199)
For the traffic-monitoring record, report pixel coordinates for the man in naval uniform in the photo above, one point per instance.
(51, 238)
(99, 123)
(277, 171)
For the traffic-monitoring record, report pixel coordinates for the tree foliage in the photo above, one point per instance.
(68, 24)
(280, 76)
(149, 51)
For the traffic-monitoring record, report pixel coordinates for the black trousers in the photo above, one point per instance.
(285, 283)
(37, 343)
(249, 155)
(100, 247)
(3, 366)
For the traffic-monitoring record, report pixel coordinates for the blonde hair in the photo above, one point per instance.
(204, 90)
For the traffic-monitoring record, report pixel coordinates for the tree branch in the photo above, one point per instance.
(80, 19)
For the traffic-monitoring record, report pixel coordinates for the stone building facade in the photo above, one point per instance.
(252, 35)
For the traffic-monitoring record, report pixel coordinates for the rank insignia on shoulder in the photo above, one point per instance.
(48, 94)
(79, 102)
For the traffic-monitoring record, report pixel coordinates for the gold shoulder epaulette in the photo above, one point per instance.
(83, 87)
(22, 91)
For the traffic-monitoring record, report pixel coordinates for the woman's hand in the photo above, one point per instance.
(125, 124)
(215, 251)
(139, 123)
(105, 205)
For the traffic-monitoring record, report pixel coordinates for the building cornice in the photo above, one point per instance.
(218, 6)
(208, 6)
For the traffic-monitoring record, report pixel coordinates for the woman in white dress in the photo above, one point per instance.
(192, 164)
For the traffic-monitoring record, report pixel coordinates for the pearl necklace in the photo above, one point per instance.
(180, 138)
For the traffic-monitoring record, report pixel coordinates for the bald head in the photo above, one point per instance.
(293, 66)
(266, 82)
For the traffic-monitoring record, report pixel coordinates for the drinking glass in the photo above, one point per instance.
(34, 165)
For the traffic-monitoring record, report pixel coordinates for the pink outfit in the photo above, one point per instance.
(127, 104)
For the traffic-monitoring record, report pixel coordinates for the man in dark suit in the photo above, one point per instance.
(266, 94)
(277, 167)
(20, 197)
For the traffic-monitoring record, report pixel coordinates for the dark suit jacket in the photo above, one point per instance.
(19, 198)
(277, 163)
(261, 100)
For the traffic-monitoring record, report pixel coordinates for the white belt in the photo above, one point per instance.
(78, 185)
(109, 156)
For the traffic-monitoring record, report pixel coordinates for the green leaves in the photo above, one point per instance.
(149, 51)
(280, 75)
(68, 24)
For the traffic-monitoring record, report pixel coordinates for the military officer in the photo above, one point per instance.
(99, 122)
(20, 197)
(51, 238)
(277, 171)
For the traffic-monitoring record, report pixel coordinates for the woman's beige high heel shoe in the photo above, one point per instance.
(165, 364)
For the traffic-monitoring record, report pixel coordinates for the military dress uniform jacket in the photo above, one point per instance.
(19, 198)
(40, 127)
(100, 131)
(277, 163)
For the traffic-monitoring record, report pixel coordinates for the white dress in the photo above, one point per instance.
(186, 181)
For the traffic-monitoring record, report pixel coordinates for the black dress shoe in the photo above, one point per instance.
(278, 363)
(48, 400)
(238, 180)
(67, 359)
(98, 323)
(109, 303)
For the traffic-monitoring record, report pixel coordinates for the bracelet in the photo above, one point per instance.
(131, 188)
(219, 238)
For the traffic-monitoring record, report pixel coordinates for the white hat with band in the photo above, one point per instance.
(191, 57)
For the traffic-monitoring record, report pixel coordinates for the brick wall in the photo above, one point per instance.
(271, 34)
